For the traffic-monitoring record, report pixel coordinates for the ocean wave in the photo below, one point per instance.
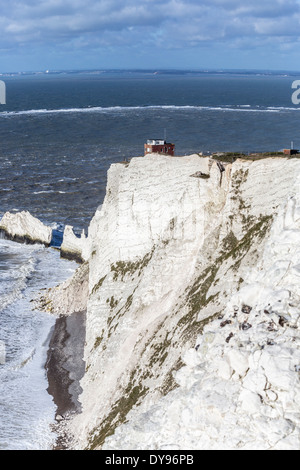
(44, 191)
(19, 285)
(14, 280)
(28, 356)
(27, 410)
(118, 109)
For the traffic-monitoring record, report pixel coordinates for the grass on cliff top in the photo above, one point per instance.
(231, 157)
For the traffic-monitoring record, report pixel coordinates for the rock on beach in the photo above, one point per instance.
(23, 227)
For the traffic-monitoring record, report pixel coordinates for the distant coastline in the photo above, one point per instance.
(291, 73)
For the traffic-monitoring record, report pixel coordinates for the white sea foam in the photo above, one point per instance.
(26, 408)
(14, 280)
(118, 109)
(45, 191)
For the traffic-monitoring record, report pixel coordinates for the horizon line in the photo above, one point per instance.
(217, 70)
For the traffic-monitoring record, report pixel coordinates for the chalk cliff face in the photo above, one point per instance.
(239, 387)
(23, 227)
(72, 245)
(169, 256)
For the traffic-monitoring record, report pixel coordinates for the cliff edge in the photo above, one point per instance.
(169, 258)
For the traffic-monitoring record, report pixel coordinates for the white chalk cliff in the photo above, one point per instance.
(72, 245)
(193, 305)
(22, 226)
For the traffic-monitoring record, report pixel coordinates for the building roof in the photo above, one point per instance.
(156, 142)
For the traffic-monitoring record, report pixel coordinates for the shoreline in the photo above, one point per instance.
(65, 368)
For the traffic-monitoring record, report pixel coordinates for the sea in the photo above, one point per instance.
(59, 132)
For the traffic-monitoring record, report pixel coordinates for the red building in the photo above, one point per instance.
(159, 146)
(290, 151)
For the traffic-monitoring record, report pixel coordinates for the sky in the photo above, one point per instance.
(149, 34)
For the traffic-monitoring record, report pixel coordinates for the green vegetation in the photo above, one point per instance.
(197, 293)
(231, 157)
(160, 351)
(98, 285)
(239, 178)
(113, 303)
(261, 156)
(123, 268)
(169, 382)
(98, 340)
(135, 390)
(131, 396)
(120, 270)
(128, 302)
(156, 349)
(269, 154)
(228, 157)
(229, 242)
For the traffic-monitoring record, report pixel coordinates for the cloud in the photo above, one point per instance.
(171, 24)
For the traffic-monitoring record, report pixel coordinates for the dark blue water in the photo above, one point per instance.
(60, 132)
